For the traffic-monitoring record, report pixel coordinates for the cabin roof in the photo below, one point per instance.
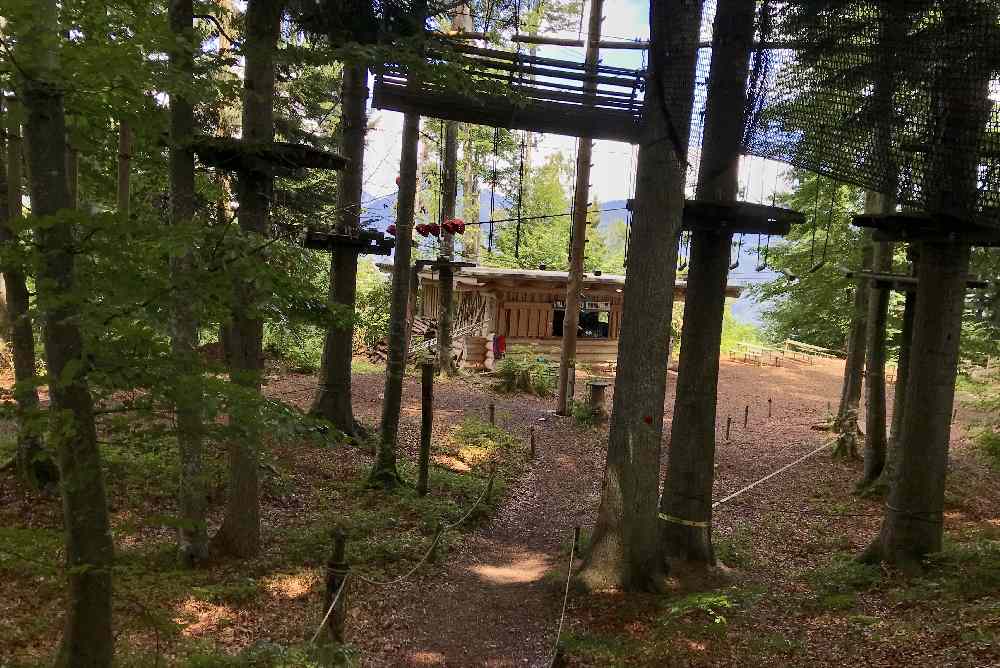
(479, 276)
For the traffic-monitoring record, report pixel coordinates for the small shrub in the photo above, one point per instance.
(518, 371)
(583, 413)
(708, 603)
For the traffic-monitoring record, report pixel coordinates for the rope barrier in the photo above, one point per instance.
(562, 616)
(771, 475)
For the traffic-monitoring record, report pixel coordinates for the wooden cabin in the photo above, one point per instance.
(500, 310)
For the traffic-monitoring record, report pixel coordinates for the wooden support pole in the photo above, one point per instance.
(531, 434)
(576, 540)
(336, 572)
(426, 423)
(729, 426)
(769, 408)
(746, 416)
(571, 317)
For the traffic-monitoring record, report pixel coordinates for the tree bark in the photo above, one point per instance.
(449, 193)
(192, 494)
(87, 640)
(333, 401)
(686, 503)
(34, 466)
(239, 534)
(385, 474)
(845, 423)
(875, 422)
(625, 549)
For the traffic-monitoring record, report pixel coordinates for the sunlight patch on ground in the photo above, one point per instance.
(452, 463)
(199, 617)
(528, 569)
(427, 658)
(291, 585)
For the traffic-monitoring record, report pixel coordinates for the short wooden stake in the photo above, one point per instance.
(493, 414)
(531, 434)
(489, 485)
(336, 572)
(576, 540)
(768, 408)
(436, 545)
(426, 423)
(729, 426)
(746, 417)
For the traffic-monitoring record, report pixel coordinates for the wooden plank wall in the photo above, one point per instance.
(529, 313)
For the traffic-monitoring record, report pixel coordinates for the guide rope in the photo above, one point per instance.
(562, 616)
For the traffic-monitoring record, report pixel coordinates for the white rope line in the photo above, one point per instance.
(437, 538)
(330, 609)
(771, 475)
(562, 617)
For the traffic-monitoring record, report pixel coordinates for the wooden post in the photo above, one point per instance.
(489, 485)
(336, 573)
(581, 199)
(426, 422)
(746, 416)
(493, 414)
(531, 433)
(576, 540)
(769, 408)
(729, 426)
(438, 530)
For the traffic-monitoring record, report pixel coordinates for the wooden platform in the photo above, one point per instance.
(902, 282)
(928, 227)
(519, 92)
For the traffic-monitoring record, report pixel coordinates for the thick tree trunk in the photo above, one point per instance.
(34, 466)
(914, 513)
(240, 531)
(192, 495)
(449, 193)
(686, 503)
(625, 548)
(385, 473)
(875, 426)
(87, 640)
(333, 401)
(845, 424)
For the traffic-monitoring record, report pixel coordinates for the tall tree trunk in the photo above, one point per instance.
(470, 203)
(87, 640)
(878, 312)
(333, 401)
(449, 193)
(385, 473)
(578, 236)
(239, 534)
(228, 127)
(845, 424)
(34, 466)
(891, 467)
(913, 525)
(625, 548)
(124, 166)
(686, 503)
(193, 534)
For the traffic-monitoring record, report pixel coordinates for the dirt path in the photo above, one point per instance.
(496, 601)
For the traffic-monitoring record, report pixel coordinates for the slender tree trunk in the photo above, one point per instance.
(578, 237)
(449, 193)
(333, 401)
(239, 534)
(625, 548)
(228, 127)
(193, 534)
(875, 425)
(87, 640)
(686, 503)
(124, 166)
(845, 423)
(34, 466)
(889, 471)
(470, 204)
(385, 473)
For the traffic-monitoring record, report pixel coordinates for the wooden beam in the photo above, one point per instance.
(942, 228)
(902, 282)
(368, 242)
(737, 217)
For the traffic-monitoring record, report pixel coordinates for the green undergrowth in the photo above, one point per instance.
(520, 371)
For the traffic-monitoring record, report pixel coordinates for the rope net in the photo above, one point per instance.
(899, 97)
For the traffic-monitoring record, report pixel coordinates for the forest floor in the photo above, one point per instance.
(494, 595)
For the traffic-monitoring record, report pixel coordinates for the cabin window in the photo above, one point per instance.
(595, 319)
